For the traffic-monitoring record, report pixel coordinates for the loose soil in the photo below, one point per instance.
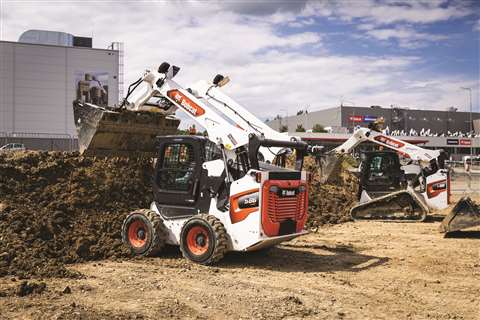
(355, 270)
(59, 208)
(61, 256)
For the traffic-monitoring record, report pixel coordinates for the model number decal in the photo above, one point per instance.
(248, 201)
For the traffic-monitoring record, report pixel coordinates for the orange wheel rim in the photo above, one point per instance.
(137, 234)
(197, 240)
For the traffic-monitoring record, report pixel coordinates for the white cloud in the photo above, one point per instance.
(476, 26)
(269, 71)
(387, 12)
(406, 37)
(393, 19)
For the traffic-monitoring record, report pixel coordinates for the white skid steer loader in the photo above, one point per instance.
(212, 194)
(382, 195)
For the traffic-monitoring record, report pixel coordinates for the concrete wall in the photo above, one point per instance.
(327, 118)
(38, 85)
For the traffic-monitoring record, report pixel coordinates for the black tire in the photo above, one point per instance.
(144, 233)
(203, 239)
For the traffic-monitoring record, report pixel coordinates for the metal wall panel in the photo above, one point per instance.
(38, 84)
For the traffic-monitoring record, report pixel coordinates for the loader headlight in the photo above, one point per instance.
(220, 80)
(163, 68)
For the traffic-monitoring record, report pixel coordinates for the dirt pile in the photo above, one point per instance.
(61, 208)
(330, 203)
(58, 208)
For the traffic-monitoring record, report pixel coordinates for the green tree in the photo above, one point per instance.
(318, 128)
(300, 128)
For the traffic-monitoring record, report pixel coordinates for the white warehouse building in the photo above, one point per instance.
(42, 74)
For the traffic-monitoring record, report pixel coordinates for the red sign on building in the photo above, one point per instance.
(465, 142)
(356, 118)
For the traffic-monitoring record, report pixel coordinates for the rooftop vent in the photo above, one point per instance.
(54, 38)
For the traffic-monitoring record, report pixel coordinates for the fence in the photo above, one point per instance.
(463, 182)
(40, 141)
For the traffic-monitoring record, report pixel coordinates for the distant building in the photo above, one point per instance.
(395, 118)
(41, 75)
(342, 120)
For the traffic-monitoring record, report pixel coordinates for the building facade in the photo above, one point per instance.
(40, 80)
(342, 120)
(395, 118)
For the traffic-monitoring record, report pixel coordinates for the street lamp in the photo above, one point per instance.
(286, 112)
(471, 121)
(353, 116)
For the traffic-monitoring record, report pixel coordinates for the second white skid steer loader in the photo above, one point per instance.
(382, 195)
(211, 194)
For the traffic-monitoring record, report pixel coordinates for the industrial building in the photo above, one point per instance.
(42, 74)
(343, 119)
(395, 118)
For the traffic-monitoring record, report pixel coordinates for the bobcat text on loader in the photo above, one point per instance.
(226, 192)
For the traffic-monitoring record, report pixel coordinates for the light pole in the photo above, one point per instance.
(471, 120)
(352, 116)
(305, 122)
(286, 112)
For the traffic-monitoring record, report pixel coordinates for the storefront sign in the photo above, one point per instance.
(369, 118)
(452, 142)
(356, 118)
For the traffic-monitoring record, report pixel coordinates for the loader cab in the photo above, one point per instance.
(179, 182)
(380, 173)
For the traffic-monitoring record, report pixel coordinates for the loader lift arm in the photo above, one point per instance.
(431, 160)
(161, 83)
(406, 149)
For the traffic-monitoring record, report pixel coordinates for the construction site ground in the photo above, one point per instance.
(354, 270)
(61, 255)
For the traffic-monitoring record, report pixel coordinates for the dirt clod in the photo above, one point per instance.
(26, 288)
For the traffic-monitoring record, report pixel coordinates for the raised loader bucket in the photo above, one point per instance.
(465, 214)
(122, 133)
(329, 167)
(404, 205)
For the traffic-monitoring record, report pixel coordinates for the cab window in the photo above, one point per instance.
(176, 170)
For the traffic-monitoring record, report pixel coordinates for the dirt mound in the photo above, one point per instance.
(330, 203)
(59, 208)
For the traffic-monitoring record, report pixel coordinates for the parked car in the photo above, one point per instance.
(12, 147)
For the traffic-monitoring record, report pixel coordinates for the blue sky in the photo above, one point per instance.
(285, 54)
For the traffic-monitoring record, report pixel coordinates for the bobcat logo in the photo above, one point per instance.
(187, 104)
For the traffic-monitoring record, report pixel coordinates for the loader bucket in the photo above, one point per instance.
(330, 167)
(404, 205)
(465, 214)
(123, 133)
